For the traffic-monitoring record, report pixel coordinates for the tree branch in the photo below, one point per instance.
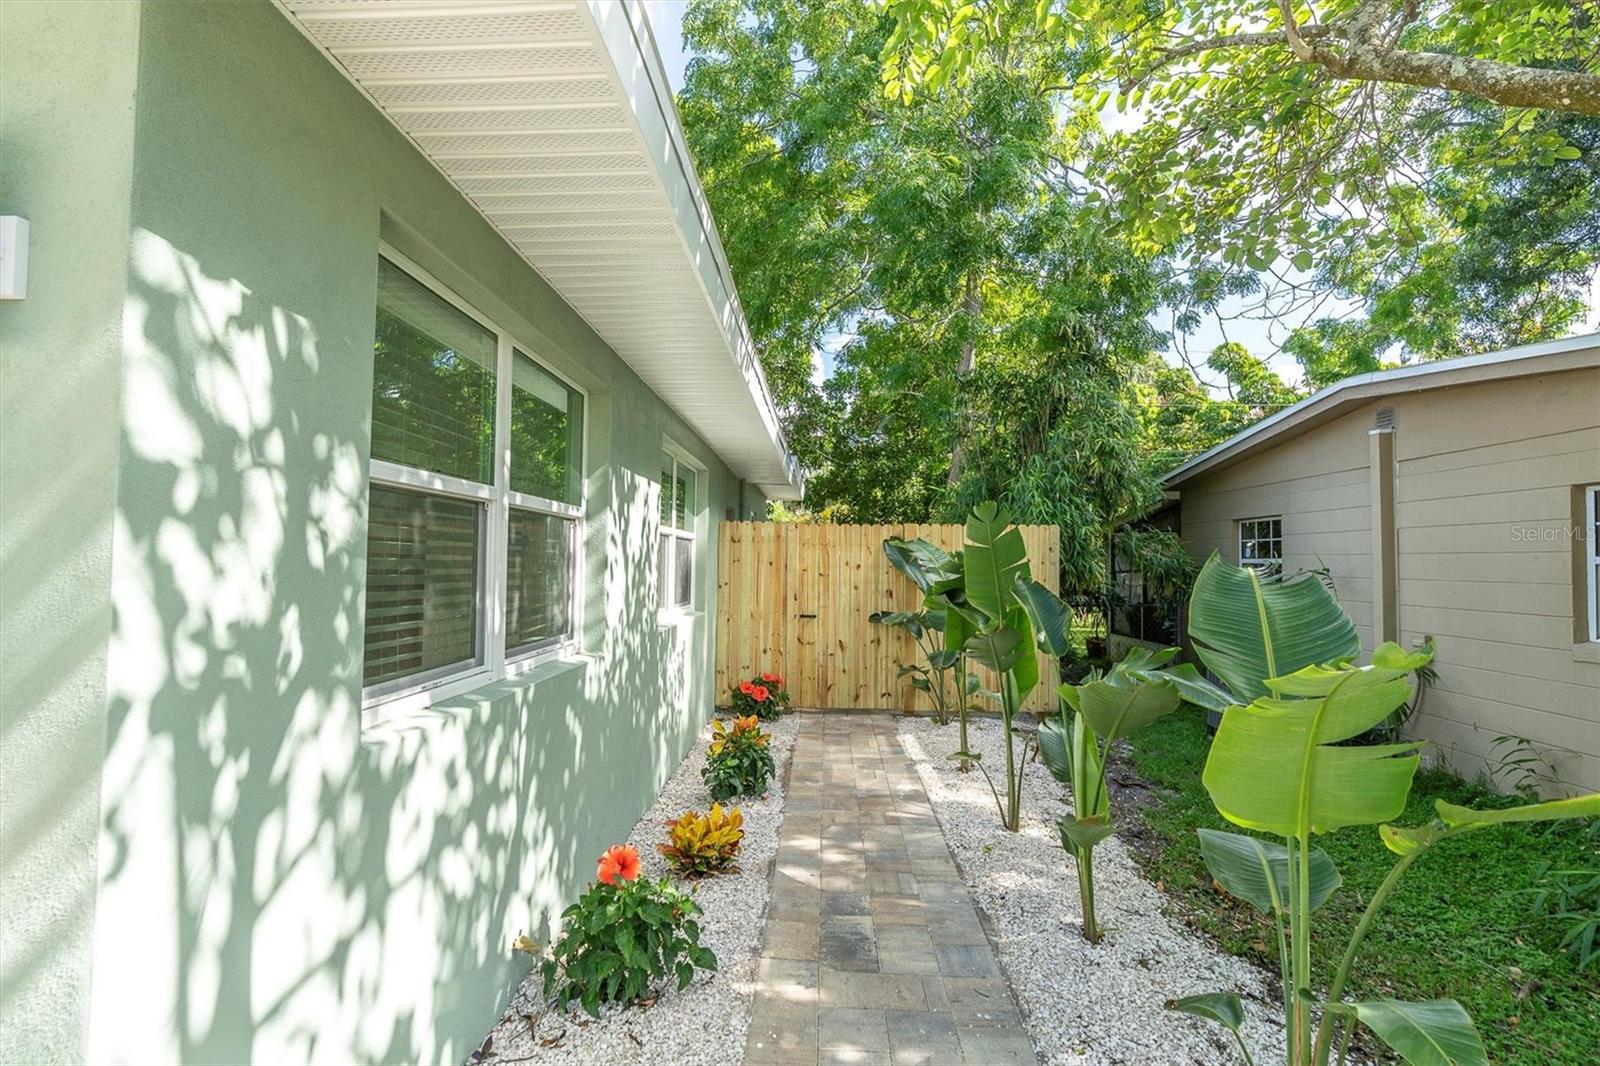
(1502, 83)
(1367, 54)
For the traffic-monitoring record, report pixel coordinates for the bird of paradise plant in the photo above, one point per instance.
(1282, 764)
(1140, 689)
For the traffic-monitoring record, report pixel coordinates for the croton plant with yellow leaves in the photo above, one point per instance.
(699, 845)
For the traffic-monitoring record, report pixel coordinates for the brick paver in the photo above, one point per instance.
(873, 952)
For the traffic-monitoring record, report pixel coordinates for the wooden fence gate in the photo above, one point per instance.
(794, 599)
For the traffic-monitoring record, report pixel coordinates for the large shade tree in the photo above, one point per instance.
(1381, 150)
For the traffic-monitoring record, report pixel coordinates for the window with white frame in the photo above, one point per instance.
(1591, 552)
(475, 498)
(675, 555)
(1261, 545)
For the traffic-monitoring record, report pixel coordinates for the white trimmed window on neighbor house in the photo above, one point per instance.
(1591, 551)
(675, 552)
(1261, 545)
(475, 499)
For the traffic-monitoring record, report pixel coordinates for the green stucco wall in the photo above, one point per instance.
(279, 879)
(67, 74)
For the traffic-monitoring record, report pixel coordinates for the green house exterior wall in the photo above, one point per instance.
(235, 862)
(67, 75)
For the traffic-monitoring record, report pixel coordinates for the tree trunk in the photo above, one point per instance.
(972, 311)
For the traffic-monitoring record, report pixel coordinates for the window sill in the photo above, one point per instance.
(677, 617)
(479, 685)
(1586, 652)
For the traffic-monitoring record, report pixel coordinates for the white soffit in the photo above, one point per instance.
(555, 119)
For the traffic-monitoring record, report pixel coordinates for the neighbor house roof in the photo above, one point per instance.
(1568, 353)
(556, 120)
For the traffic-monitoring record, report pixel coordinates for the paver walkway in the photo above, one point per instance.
(873, 951)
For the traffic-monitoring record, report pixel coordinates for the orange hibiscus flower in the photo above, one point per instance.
(769, 678)
(747, 687)
(760, 694)
(620, 862)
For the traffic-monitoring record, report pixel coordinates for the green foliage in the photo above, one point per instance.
(1284, 764)
(978, 321)
(702, 844)
(1268, 147)
(1569, 900)
(1247, 629)
(738, 760)
(1095, 715)
(1461, 929)
(1224, 1008)
(938, 628)
(763, 696)
(618, 941)
(997, 584)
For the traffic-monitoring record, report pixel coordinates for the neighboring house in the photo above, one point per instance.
(377, 391)
(1452, 499)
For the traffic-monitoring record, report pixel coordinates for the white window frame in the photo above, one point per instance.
(493, 661)
(680, 539)
(1266, 568)
(1591, 554)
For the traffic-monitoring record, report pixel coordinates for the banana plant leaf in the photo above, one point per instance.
(1436, 1033)
(1403, 840)
(1586, 806)
(1120, 704)
(1275, 766)
(1025, 672)
(944, 658)
(1051, 618)
(1257, 871)
(1081, 834)
(1247, 630)
(993, 558)
(998, 649)
(957, 628)
(1054, 747)
(927, 565)
(1088, 772)
(1150, 666)
(911, 623)
(1224, 1008)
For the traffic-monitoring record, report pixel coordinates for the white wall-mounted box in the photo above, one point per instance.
(13, 257)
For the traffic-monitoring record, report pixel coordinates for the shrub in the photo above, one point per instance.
(623, 936)
(739, 762)
(763, 696)
(702, 844)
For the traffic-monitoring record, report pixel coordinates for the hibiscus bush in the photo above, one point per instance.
(763, 696)
(739, 760)
(622, 937)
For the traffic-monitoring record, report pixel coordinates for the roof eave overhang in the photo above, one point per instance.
(1549, 357)
(555, 120)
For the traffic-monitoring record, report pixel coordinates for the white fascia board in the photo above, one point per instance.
(1565, 353)
(625, 32)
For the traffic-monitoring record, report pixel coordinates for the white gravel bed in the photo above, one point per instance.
(707, 1022)
(1082, 1003)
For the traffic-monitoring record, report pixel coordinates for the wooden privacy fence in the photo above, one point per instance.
(795, 599)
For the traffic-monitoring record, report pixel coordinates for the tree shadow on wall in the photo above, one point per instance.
(281, 883)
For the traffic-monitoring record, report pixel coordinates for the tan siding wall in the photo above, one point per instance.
(1318, 483)
(1474, 463)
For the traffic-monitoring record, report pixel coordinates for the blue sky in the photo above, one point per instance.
(1261, 335)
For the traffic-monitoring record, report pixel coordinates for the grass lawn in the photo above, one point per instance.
(1458, 925)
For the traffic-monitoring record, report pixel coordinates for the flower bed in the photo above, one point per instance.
(1082, 1003)
(706, 1022)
